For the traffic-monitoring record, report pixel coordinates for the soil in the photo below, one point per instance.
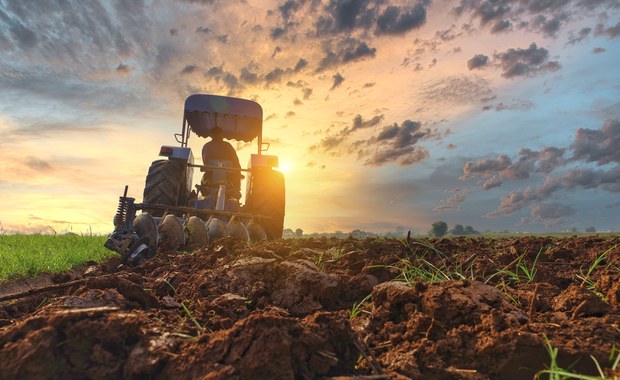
(458, 308)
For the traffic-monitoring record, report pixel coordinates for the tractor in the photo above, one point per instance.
(174, 213)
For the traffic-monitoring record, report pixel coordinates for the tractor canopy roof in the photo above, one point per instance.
(239, 119)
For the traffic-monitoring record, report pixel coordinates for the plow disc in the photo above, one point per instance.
(139, 237)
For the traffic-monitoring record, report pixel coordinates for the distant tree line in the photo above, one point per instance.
(289, 233)
(439, 229)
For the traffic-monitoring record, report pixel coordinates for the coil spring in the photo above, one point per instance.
(121, 213)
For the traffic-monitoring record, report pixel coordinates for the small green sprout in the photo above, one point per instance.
(357, 307)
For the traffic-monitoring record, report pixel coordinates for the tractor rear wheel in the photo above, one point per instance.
(165, 185)
(267, 198)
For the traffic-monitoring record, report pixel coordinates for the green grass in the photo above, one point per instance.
(416, 268)
(361, 307)
(523, 273)
(555, 372)
(30, 255)
(586, 278)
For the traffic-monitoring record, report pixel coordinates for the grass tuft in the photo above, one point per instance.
(555, 372)
(31, 255)
(357, 308)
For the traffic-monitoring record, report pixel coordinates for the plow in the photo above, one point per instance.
(173, 214)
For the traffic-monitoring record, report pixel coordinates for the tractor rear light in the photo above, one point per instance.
(165, 151)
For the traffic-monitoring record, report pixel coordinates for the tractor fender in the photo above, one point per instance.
(177, 152)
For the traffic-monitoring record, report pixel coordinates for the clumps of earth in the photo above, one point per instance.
(460, 308)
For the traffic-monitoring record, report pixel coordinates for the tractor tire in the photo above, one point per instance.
(267, 198)
(165, 185)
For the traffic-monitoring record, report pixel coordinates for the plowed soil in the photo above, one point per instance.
(459, 308)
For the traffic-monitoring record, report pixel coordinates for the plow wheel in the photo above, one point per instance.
(166, 185)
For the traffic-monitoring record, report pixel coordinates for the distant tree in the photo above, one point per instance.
(439, 229)
(590, 229)
(400, 231)
(458, 230)
(359, 234)
(469, 230)
(299, 232)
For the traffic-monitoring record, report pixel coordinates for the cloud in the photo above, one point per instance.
(477, 61)
(452, 203)
(300, 65)
(552, 213)
(338, 79)
(328, 143)
(589, 146)
(307, 93)
(404, 156)
(516, 105)
(51, 87)
(456, 198)
(189, 69)
(288, 8)
(393, 143)
(501, 26)
(548, 26)
(246, 75)
(277, 75)
(203, 29)
(456, 89)
(333, 141)
(23, 36)
(348, 16)
(487, 166)
(544, 161)
(395, 20)
(447, 34)
(348, 50)
(397, 143)
(359, 122)
(547, 17)
(608, 180)
(494, 181)
(52, 129)
(516, 200)
(111, 29)
(123, 69)
(611, 32)
(200, 2)
(223, 38)
(277, 32)
(37, 164)
(447, 207)
(274, 76)
(487, 12)
(525, 62)
(581, 35)
(360, 52)
(600, 145)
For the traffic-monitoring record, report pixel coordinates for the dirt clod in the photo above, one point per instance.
(322, 308)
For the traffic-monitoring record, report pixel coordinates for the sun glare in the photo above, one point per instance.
(285, 167)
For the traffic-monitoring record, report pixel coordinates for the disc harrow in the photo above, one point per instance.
(138, 237)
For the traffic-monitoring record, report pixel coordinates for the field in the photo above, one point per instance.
(458, 308)
(31, 255)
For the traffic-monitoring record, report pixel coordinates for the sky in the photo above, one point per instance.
(499, 114)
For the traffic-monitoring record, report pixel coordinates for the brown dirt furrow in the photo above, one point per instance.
(459, 308)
